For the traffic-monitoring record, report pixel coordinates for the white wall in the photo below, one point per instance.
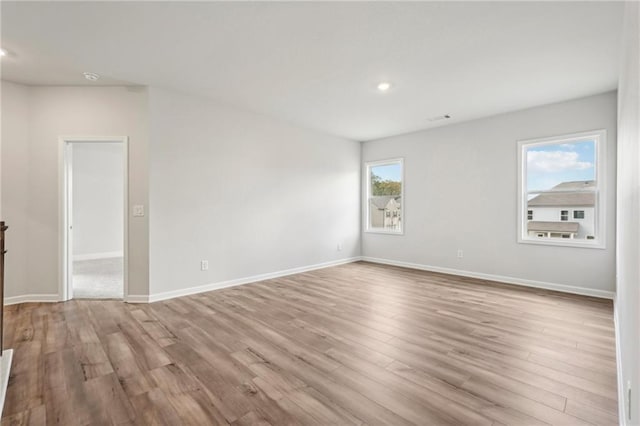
(461, 193)
(14, 184)
(628, 269)
(98, 194)
(30, 173)
(250, 194)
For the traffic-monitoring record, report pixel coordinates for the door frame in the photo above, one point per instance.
(65, 161)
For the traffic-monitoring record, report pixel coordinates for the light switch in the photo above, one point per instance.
(138, 210)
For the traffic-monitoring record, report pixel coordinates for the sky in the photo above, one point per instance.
(388, 172)
(549, 165)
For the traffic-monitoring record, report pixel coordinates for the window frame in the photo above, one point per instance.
(367, 195)
(600, 138)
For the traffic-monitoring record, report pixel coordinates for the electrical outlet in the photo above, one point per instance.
(460, 254)
(339, 248)
(204, 265)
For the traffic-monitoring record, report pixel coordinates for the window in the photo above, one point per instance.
(385, 201)
(561, 184)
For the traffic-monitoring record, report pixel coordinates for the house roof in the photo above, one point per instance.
(567, 199)
(576, 184)
(571, 227)
(381, 201)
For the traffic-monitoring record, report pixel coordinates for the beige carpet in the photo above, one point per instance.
(98, 278)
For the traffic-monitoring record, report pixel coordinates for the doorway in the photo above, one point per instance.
(95, 219)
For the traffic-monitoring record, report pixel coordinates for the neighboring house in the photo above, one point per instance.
(563, 214)
(385, 211)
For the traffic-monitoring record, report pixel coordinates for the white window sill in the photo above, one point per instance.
(566, 242)
(382, 231)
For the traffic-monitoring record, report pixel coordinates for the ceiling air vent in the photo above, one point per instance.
(440, 117)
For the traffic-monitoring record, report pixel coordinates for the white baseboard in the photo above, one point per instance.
(31, 298)
(240, 281)
(94, 256)
(141, 298)
(136, 298)
(622, 415)
(499, 278)
(5, 368)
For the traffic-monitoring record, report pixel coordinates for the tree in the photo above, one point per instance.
(384, 187)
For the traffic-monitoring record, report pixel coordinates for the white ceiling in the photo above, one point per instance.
(317, 64)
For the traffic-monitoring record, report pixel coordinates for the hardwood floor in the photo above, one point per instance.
(355, 344)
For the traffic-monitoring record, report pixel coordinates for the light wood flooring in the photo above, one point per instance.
(354, 344)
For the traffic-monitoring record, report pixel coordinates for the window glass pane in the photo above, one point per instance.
(560, 193)
(560, 166)
(386, 180)
(553, 217)
(385, 202)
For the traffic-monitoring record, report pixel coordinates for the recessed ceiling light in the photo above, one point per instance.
(3, 52)
(91, 76)
(384, 86)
